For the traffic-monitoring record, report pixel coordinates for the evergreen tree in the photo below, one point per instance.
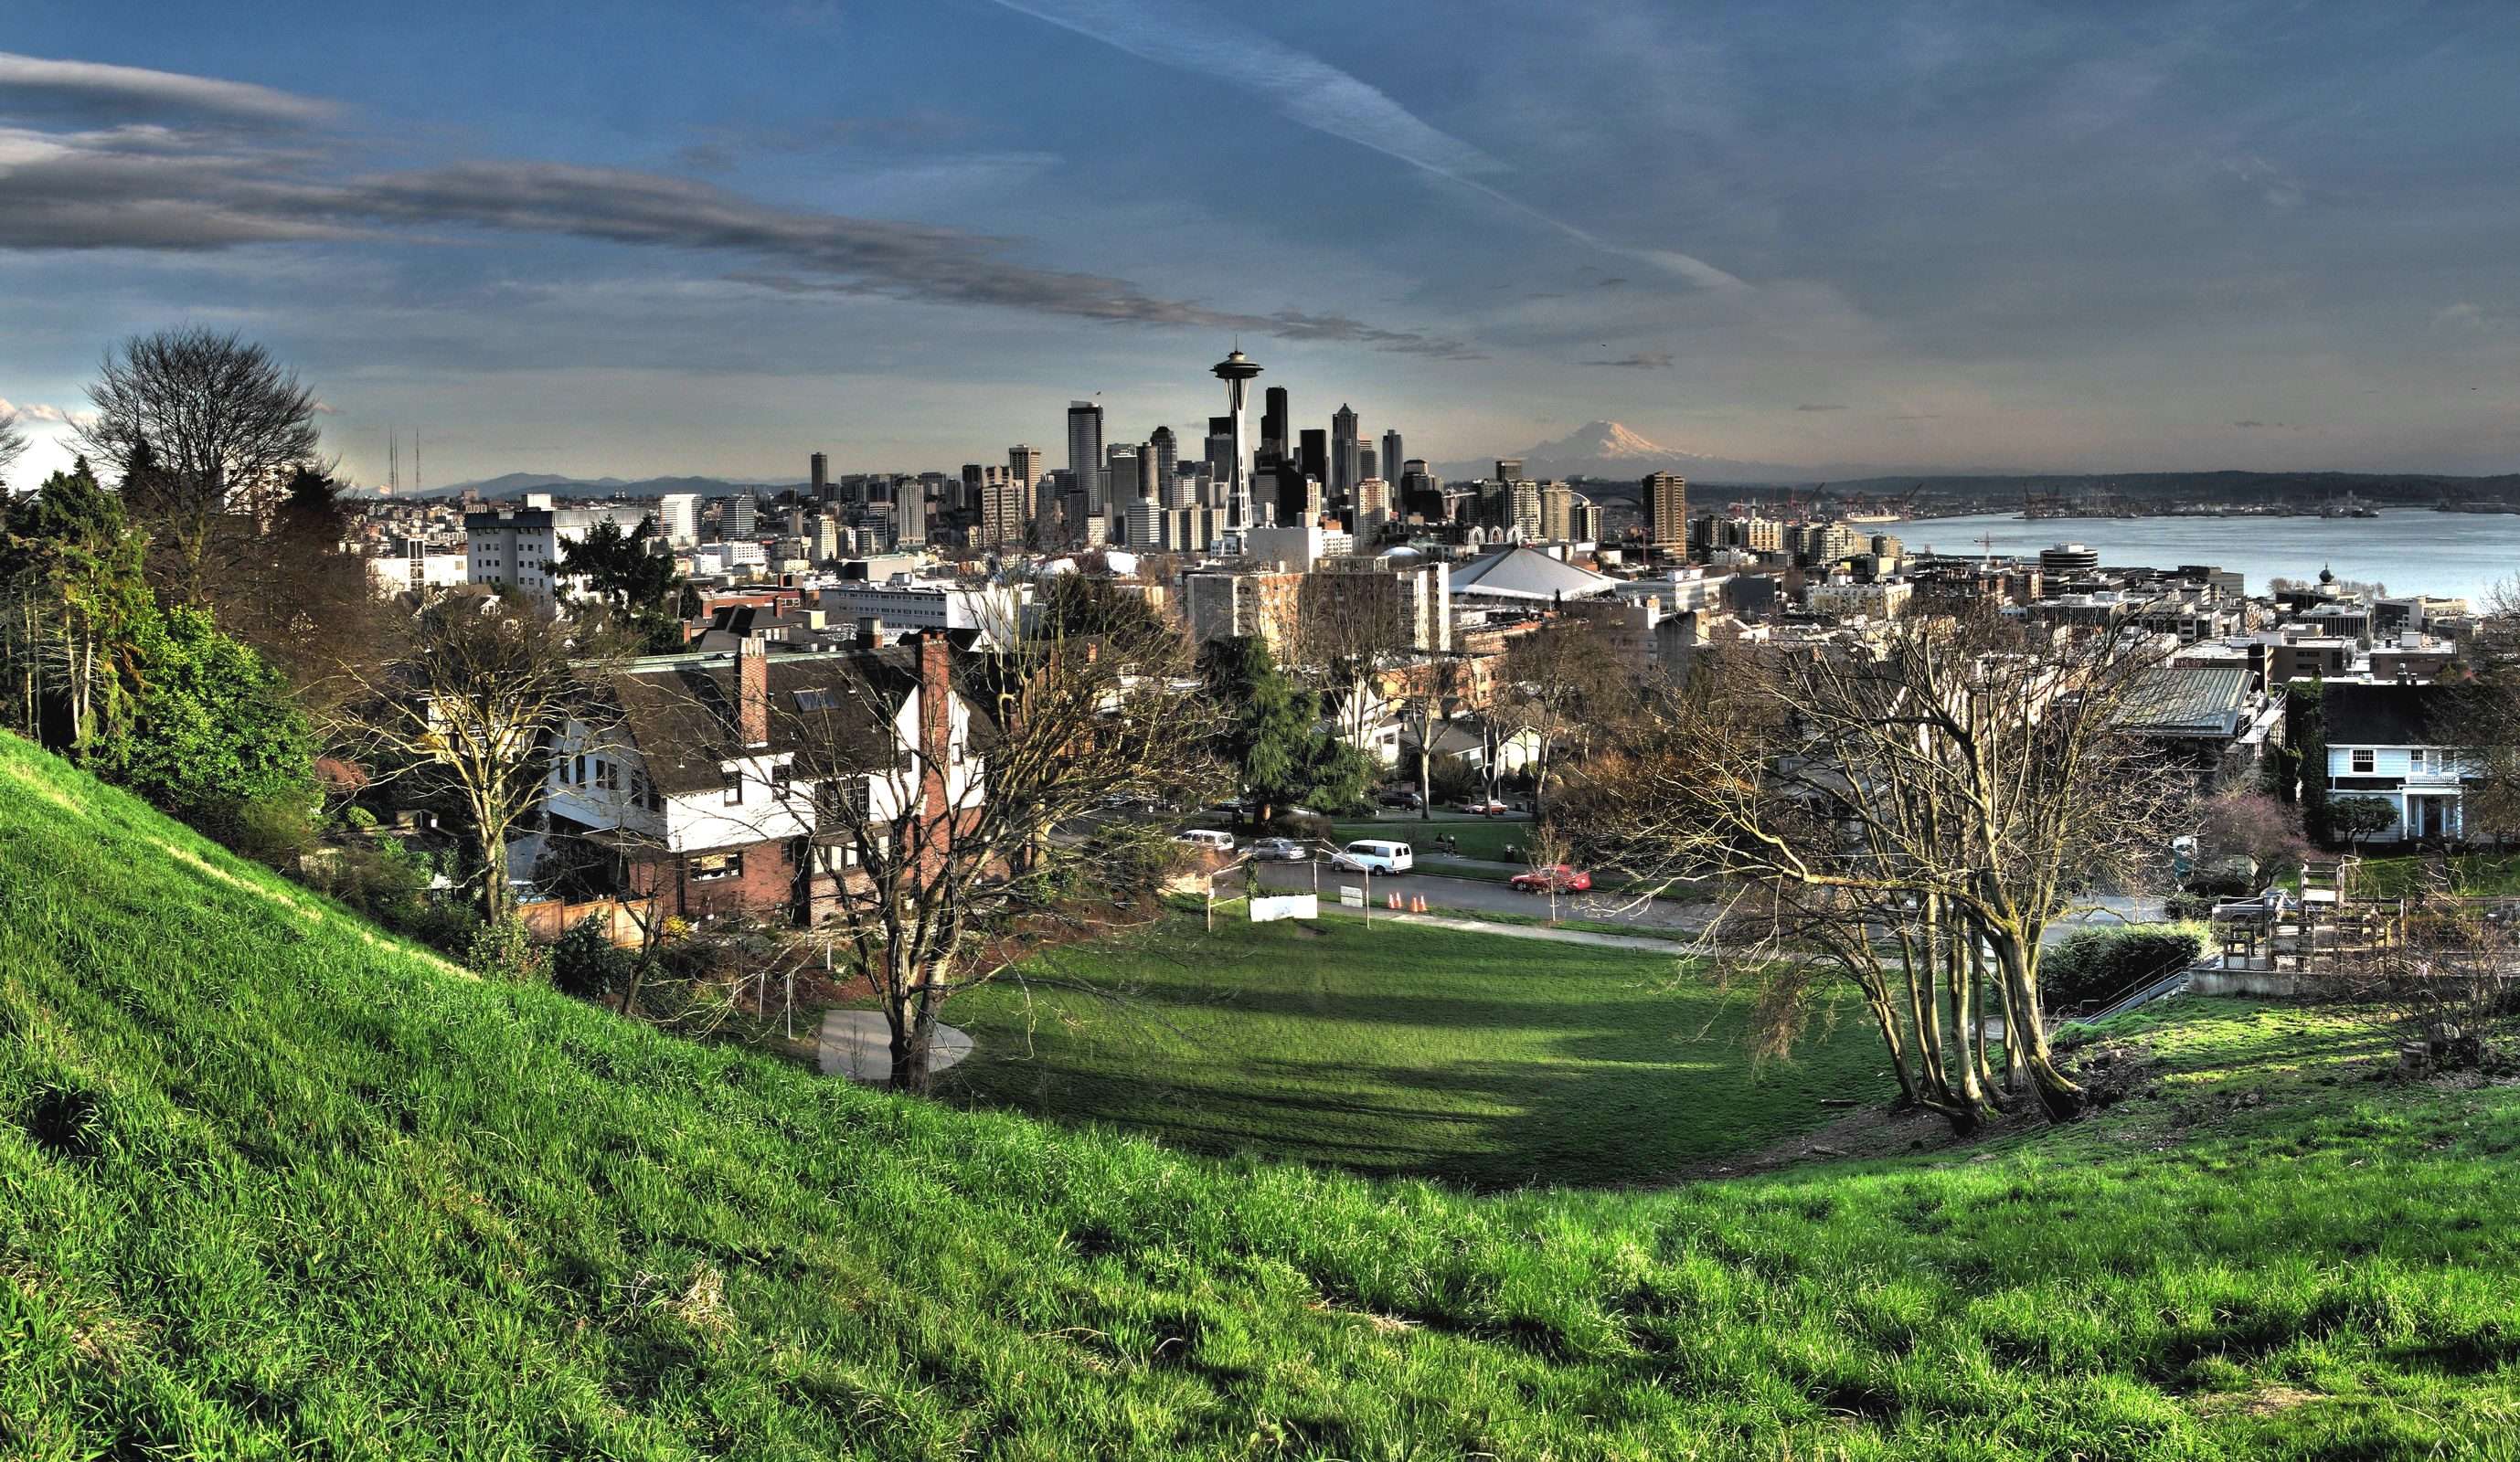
(1275, 735)
(636, 585)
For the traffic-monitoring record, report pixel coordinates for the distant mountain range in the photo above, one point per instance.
(1616, 458)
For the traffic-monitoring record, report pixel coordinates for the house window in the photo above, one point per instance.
(2363, 764)
(735, 786)
(578, 777)
(607, 775)
(710, 867)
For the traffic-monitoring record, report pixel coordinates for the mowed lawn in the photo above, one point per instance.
(1485, 1059)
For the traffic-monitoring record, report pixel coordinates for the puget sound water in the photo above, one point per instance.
(2409, 550)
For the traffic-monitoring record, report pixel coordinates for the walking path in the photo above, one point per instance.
(858, 1044)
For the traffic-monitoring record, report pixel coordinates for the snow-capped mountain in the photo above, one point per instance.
(1608, 449)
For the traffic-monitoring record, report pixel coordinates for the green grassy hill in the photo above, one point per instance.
(273, 1183)
(1489, 1061)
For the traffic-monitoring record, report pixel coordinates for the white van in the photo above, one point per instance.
(1206, 838)
(1376, 855)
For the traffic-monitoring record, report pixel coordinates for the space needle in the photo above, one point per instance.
(1235, 371)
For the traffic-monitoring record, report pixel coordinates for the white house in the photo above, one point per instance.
(2394, 741)
(686, 785)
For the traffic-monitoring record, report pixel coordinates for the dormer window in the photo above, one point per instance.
(733, 786)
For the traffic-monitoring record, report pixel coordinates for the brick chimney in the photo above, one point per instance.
(935, 713)
(752, 691)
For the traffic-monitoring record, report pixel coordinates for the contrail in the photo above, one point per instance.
(1316, 94)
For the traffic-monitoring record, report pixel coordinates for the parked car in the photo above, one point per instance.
(1405, 798)
(1485, 807)
(1556, 878)
(1280, 850)
(1374, 855)
(1206, 838)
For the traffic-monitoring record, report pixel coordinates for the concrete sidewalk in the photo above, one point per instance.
(1539, 931)
(858, 1044)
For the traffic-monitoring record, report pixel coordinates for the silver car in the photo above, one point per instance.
(1280, 850)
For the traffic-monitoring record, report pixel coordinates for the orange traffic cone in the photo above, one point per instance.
(1395, 904)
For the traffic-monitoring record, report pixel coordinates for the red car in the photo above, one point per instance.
(1556, 878)
(1485, 808)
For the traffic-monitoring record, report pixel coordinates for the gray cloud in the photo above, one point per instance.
(30, 81)
(1822, 406)
(155, 188)
(1643, 360)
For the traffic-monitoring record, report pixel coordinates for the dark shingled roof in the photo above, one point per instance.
(2391, 714)
(680, 713)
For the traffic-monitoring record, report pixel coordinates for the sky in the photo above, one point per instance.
(645, 240)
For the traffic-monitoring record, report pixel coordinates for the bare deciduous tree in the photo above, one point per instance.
(1946, 789)
(1432, 693)
(199, 423)
(934, 845)
(463, 705)
(13, 444)
(1565, 686)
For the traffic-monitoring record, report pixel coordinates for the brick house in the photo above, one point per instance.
(685, 787)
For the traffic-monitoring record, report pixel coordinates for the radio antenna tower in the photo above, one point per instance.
(415, 462)
(393, 462)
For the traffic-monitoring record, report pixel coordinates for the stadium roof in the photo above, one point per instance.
(1528, 574)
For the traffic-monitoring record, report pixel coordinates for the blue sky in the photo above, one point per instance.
(668, 239)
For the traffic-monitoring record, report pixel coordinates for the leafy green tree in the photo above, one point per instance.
(216, 731)
(636, 585)
(1270, 724)
(72, 595)
(1275, 735)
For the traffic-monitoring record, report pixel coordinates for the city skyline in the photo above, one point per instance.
(1921, 237)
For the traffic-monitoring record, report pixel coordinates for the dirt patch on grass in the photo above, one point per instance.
(2270, 1399)
(2109, 1073)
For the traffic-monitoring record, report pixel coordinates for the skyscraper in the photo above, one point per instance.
(820, 467)
(1508, 469)
(1392, 455)
(909, 513)
(1344, 459)
(1666, 505)
(1237, 371)
(1120, 475)
(1167, 458)
(1220, 459)
(1314, 457)
(1273, 423)
(1027, 464)
(1368, 465)
(736, 520)
(1085, 449)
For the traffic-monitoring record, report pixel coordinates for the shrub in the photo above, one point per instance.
(586, 964)
(506, 951)
(2095, 964)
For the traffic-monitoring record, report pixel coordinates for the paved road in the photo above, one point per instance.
(1684, 916)
(1495, 898)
